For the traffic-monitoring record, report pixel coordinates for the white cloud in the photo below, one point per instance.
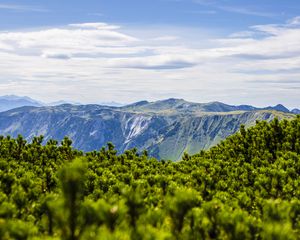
(243, 34)
(165, 38)
(91, 62)
(294, 21)
(96, 25)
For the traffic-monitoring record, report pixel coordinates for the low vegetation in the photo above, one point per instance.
(247, 187)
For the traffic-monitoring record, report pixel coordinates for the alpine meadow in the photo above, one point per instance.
(150, 120)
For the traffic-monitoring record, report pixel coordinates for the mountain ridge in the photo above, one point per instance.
(8, 103)
(182, 105)
(166, 129)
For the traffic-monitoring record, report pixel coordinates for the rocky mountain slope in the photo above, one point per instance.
(165, 128)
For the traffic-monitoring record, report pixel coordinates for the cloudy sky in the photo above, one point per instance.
(237, 52)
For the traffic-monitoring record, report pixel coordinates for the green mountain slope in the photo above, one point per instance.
(166, 129)
(191, 133)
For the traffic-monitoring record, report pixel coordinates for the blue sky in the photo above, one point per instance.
(239, 52)
(225, 14)
(220, 14)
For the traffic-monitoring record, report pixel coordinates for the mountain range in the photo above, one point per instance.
(11, 101)
(8, 102)
(166, 129)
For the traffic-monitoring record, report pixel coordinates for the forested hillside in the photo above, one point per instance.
(247, 187)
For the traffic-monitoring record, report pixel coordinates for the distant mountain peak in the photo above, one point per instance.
(215, 102)
(279, 107)
(138, 104)
(174, 100)
(169, 101)
(15, 97)
(63, 102)
(12, 101)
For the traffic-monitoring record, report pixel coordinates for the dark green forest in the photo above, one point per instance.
(247, 187)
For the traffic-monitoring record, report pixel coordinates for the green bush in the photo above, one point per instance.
(247, 187)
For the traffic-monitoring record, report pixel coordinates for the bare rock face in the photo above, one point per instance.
(166, 129)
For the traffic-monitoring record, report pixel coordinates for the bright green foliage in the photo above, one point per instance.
(247, 187)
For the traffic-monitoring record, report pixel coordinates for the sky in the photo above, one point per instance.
(233, 51)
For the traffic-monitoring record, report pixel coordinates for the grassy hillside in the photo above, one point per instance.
(247, 187)
(193, 133)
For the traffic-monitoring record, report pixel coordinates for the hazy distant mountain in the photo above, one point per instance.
(61, 102)
(165, 128)
(11, 101)
(296, 111)
(279, 108)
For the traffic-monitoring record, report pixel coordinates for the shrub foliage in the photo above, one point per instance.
(247, 187)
